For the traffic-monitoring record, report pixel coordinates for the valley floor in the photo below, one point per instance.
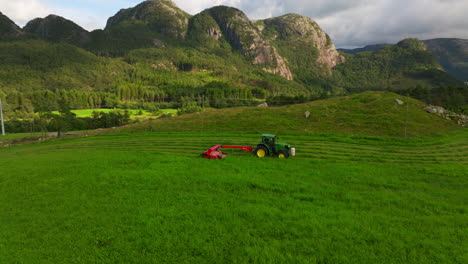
(150, 198)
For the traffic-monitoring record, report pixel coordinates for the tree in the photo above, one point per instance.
(63, 121)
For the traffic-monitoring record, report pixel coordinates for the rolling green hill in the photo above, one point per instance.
(369, 113)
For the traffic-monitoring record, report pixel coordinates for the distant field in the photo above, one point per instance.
(89, 112)
(149, 198)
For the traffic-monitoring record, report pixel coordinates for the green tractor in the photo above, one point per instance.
(270, 147)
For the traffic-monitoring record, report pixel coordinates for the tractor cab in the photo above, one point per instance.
(269, 140)
(271, 147)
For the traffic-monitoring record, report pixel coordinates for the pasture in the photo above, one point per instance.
(133, 113)
(149, 198)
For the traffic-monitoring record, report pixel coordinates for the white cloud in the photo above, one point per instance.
(388, 21)
(349, 22)
(21, 11)
(360, 22)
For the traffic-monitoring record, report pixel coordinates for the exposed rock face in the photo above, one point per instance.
(244, 36)
(203, 28)
(460, 119)
(158, 23)
(162, 16)
(159, 43)
(8, 29)
(304, 30)
(214, 33)
(58, 29)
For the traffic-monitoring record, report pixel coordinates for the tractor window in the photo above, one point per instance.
(268, 141)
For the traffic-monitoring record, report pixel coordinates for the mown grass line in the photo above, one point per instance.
(150, 198)
(308, 148)
(304, 153)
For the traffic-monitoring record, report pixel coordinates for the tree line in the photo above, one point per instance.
(65, 121)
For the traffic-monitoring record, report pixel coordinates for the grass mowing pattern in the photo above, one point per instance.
(148, 198)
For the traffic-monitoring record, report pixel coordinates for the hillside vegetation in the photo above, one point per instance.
(156, 55)
(451, 53)
(407, 64)
(369, 113)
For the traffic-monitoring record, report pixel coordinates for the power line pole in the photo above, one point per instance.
(1, 117)
(203, 101)
(406, 118)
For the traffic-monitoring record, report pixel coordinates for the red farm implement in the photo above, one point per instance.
(268, 147)
(216, 153)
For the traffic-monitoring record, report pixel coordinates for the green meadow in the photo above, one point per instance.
(89, 112)
(133, 113)
(150, 198)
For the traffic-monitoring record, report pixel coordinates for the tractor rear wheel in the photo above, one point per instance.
(283, 154)
(261, 152)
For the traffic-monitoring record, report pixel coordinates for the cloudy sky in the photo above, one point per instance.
(351, 23)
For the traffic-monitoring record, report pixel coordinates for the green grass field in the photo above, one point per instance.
(89, 112)
(149, 198)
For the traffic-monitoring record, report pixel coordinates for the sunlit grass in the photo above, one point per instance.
(150, 198)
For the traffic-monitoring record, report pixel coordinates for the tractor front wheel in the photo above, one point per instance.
(283, 154)
(261, 152)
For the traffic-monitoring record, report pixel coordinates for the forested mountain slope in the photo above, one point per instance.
(155, 53)
(451, 53)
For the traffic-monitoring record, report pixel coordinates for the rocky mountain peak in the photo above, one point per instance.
(244, 36)
(8, 29)
(58, 29)
(162, 16)
(302, 29)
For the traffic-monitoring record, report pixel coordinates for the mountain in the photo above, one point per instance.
(452, 54)
(155, 23)
(162, 16)
(157, 54)
(58, 29)
(308, 50)
(8, 29)
(244, 37)
(406, 64)
(375, 47)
